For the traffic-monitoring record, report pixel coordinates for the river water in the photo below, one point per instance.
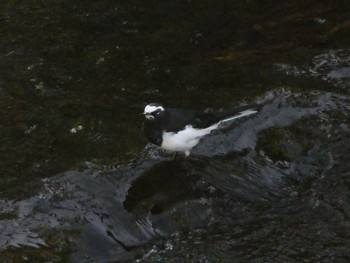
(79, 182)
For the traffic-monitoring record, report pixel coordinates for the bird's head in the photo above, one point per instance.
(153, 111)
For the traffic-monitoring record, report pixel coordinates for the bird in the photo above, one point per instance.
(180, 130)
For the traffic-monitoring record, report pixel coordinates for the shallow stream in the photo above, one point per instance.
(78, 181)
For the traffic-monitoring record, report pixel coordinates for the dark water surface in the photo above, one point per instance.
(79, 183)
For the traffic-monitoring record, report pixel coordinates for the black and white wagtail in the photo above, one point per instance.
(181, 130)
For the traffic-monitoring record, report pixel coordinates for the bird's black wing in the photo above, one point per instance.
(178, 119)
(206, 119)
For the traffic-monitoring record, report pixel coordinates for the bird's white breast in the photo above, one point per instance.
(185, 140)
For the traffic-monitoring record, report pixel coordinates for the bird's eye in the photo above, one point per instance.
(157, 112)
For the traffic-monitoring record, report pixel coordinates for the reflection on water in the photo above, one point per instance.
(332, 66)
(156, 186)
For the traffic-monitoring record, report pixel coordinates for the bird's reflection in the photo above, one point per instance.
(161, 186)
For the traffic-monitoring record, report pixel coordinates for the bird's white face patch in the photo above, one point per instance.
(149, 116)
(149, 109)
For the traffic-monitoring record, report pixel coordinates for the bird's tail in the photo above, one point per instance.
(240, 112)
